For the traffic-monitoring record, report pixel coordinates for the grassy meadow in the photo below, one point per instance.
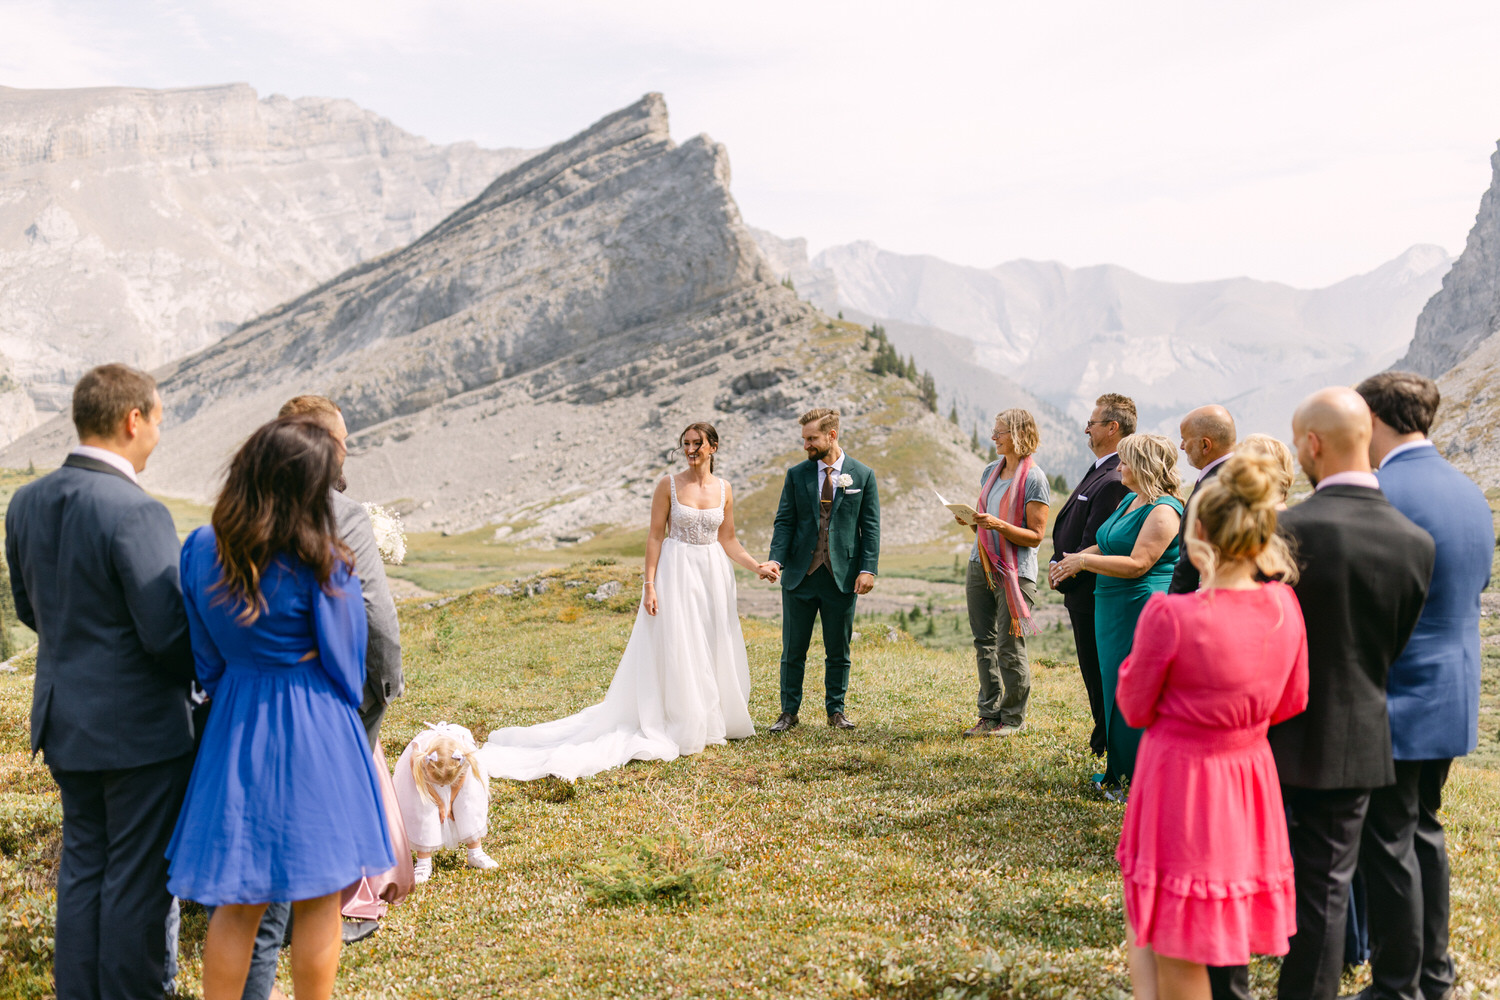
(897, 860)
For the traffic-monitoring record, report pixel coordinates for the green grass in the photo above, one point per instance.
(897, 860)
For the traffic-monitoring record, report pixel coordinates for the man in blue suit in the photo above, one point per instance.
(1432, 693)
(93, 568)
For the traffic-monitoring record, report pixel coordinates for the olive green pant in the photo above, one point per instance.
(1004, 670)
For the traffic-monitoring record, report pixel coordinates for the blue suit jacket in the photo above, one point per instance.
(1433, 688)
(93, 568)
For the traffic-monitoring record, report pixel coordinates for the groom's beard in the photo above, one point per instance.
(817, 454)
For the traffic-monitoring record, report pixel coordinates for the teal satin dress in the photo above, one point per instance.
(1117, 605)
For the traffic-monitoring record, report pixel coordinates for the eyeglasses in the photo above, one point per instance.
(1091, 423)
(999, 432)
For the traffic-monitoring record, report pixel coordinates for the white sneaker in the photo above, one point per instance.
(422, 869)
(478, 859)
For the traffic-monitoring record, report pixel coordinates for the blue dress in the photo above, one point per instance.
(284, 801)
(1117, 605)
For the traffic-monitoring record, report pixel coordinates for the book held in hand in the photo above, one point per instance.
(968, 515)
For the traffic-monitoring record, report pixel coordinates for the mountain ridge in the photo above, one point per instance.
(140, 225)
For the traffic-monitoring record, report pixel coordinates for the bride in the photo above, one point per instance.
(683, 681)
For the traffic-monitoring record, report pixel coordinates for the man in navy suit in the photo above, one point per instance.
(1095, 497)
(1432, 693)
(93, 567)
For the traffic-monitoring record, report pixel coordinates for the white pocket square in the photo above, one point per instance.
(847, 490)
(1082, 497)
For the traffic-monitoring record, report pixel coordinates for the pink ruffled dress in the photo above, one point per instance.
(1204, 853)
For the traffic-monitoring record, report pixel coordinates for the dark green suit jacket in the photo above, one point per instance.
(853, 527)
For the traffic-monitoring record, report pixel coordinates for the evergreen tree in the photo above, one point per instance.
(975, 443)
(928, 388)
(1059, 484)
(953, 414)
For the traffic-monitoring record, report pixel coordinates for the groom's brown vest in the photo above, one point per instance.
(825, 511)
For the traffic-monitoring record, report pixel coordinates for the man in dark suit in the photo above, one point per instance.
(1095, 497)
(1208, 441)
(93, 566)
(826, 547)
(1364, 575)
(1432, 693)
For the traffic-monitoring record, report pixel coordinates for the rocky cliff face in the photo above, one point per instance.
(1066, 335)
(1461, 317)
(141, 225)
(530, 361)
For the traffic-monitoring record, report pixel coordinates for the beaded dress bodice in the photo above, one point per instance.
(691, 525)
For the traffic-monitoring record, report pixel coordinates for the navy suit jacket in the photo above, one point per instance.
(1433, 689)
(1095, 497)
(93, 567)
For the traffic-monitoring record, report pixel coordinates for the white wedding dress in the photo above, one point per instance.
(683, 681)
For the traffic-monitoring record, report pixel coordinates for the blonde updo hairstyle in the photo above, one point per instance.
(1237, 509)
(441, 764)
(1153, 461)
(1280, 456)
(1024, 436)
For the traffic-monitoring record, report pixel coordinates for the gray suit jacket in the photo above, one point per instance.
(93, 567)
(383, 679)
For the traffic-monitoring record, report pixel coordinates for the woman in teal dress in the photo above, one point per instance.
(1134, 558)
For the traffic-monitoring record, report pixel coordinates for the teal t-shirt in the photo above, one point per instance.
(1038, 489)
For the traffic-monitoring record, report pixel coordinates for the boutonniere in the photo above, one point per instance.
(845, 481)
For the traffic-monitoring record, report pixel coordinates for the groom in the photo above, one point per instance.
(826, 548)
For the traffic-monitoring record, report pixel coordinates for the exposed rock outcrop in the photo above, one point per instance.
(1461, 317)
(530, 361)
(141, 225)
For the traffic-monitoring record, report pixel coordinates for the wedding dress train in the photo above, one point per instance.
(682, 683)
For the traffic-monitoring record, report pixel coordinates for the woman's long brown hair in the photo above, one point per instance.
(276, 501)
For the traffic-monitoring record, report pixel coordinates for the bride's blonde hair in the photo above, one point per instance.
(1237, 509)
(440, 765)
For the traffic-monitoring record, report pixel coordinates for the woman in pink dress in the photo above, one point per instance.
(1204, 854)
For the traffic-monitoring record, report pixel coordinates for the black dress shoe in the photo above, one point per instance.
(358, 930)
(837, 720)
(786, 721)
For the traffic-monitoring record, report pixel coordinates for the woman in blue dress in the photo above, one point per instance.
(284, 801)
(1134, 557)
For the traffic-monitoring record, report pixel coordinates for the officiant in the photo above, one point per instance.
(1014, 500)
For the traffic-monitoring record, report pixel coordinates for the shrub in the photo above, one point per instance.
(670, 871)
(27, 822)
(549, 788)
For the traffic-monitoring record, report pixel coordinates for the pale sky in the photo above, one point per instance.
(1296, 141)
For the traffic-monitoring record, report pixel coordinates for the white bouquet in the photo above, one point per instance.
(390, 534)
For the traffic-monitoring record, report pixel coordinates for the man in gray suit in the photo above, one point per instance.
(383, 680)
(94, 571)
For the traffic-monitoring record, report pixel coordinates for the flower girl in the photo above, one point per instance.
(444, 796)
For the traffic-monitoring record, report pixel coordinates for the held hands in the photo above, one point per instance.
(769, 571)
(864, 583)
(1068, 566)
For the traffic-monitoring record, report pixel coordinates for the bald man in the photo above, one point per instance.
(1364, 576)
(1208, 441)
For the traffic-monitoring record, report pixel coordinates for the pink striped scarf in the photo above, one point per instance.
(997, 551)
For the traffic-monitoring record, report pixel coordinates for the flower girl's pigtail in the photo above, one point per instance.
(440, 765)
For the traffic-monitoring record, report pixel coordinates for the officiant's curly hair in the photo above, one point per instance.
(275, 501)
